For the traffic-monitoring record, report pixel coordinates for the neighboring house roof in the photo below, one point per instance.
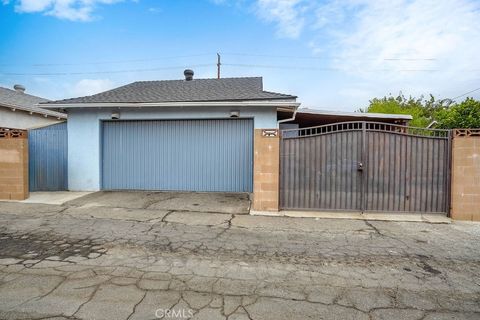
(356, 114)
(26, 102)
(197, 90)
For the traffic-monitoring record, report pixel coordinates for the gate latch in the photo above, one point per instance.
(360, 166)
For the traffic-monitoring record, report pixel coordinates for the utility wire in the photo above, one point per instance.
(282, 67)
(206, 54)
(322, 58)
(462, 95)
(319, 68)
(108, 61)
(102, 72)
(279, 67)
(307, 68)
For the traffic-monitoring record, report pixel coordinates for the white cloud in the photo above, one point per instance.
(154, 10)
(33, 5)
(74, 10)
(378, 31)
(86, 87)
(288, 14)
(414, 46)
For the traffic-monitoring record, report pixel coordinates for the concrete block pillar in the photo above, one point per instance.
(13, 164)
(266, 170)
(465, 199)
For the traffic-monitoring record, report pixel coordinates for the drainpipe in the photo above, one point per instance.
(289, 119)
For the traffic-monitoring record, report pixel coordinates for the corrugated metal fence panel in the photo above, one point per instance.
(406, 173)
(320, 172)
(48, 158)
(190, 155)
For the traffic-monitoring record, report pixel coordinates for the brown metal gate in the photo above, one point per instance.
(365, 166)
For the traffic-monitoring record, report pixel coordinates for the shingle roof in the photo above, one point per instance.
(225, 89)
(23, 101)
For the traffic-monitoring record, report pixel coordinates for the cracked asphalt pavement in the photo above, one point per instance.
(198, 256)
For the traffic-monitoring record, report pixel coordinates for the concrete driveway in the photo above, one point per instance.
(217, 202)
(124, 256)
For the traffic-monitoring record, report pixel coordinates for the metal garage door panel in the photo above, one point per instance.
(190, 155)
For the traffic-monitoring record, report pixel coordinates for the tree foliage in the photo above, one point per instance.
(463, 115)
(445, 113)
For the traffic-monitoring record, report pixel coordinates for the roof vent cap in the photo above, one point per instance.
(19, 88)
(188, 74)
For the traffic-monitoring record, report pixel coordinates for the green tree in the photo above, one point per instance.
(421, 110)
(462, 115)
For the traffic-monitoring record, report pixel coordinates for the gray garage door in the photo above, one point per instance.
(190, 155)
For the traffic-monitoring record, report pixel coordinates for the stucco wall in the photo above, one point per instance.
(19, 119)
(84, 134)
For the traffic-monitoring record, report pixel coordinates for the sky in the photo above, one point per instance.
(332, 54)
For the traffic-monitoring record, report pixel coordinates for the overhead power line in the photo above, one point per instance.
(53, 64)
(283, 67)
(319, 68)
(241, 65)
(462, 95)
(108, 61)
(103, 72)
(279, 66)
(325, 58)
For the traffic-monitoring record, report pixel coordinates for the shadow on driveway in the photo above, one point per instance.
(219, 202)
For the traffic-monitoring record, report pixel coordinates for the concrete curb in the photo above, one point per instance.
(399, 217)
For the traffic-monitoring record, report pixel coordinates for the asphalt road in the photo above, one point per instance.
(107, 258)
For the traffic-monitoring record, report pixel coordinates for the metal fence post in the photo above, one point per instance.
(362, 172)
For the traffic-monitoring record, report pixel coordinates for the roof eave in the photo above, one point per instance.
(246, 103)
(40, 110)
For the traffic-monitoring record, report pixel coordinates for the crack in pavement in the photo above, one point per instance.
(337, 270)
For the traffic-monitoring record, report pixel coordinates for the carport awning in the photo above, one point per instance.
(311, 117)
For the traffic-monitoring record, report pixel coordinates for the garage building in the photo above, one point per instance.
(188, 135)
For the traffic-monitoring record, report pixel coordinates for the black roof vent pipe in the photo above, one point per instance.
(19, 88)
(188, 74)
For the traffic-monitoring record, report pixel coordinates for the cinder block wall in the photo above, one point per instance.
(465, 202)
(13, 165)
(266, 170)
